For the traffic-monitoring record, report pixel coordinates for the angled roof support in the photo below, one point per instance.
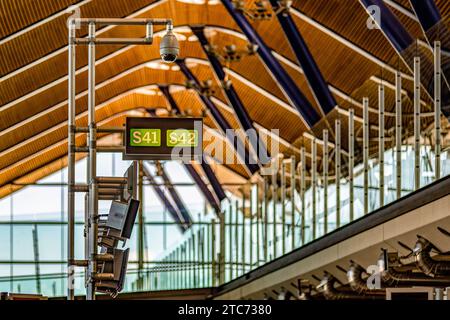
(173, 105)
(390, 25)
(174, 194)
(315, 79)
(287, 85)
(232, 96)
(427, 12)
(172, 211)
(244, 154)
(193, 173)
(203, 187)
(217, 187)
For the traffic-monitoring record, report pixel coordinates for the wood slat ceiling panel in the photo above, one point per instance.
(55, 66)
(16, 15)
(348, 18)
(53, 35)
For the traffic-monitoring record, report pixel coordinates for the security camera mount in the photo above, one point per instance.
(97, 188)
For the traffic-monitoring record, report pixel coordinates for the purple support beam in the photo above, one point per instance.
(173, 104)
(217, 187)
(175, 196)
(195, 176)
(287, 85)
(392, 28)
(315, 79)
(203, 187)
(172, 211)
(427, 12)
(226, 128)
(233, 98)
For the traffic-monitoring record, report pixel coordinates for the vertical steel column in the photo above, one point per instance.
(141, 226)
(325, 181)
(93, 192)
(314, 185)
(236, 234)
(381, 142)
(338, 172)
(250, 242)
(293, 183)
(258, 224)
(283, 207)
(416, 123)
(222, 249)
(230, 241)
(351, 161)
(398, 133)
(437, 109)
(243, 258)
(266, 220)
(274, 214)
(71, 163)
(366, 153)
(302, 192)
(213, 251)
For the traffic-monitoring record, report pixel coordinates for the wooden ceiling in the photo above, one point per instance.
(33, 71)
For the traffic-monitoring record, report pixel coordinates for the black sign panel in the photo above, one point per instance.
(163, 138)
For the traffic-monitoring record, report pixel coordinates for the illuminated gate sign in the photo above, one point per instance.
(163, 138)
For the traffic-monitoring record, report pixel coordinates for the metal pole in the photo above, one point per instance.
(251, 227)
(222, 249)
(314, 185)
(266, 220)
(351, 160)
(293, 183)
(366, 153)
(236, 234)
(243, 258)
(230, 240)
(338, 172)
(283, 207)
(258, 225)
(93, 200)
(381, 141)
(141, 226)
(274, 214)
(302, 192)
(213, 251)
(71, 163)
(325, 181)
(437, 109)
(416, 123)
(398, 132)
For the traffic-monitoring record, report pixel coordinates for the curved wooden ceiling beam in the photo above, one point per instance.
(134, 78)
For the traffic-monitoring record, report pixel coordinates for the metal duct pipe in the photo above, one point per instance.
(225, 127)
(400, 275)
(358, 284)
(287, 85)
(327, 288)
(426, 263)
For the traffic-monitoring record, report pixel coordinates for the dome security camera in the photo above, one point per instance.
(169, 48)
